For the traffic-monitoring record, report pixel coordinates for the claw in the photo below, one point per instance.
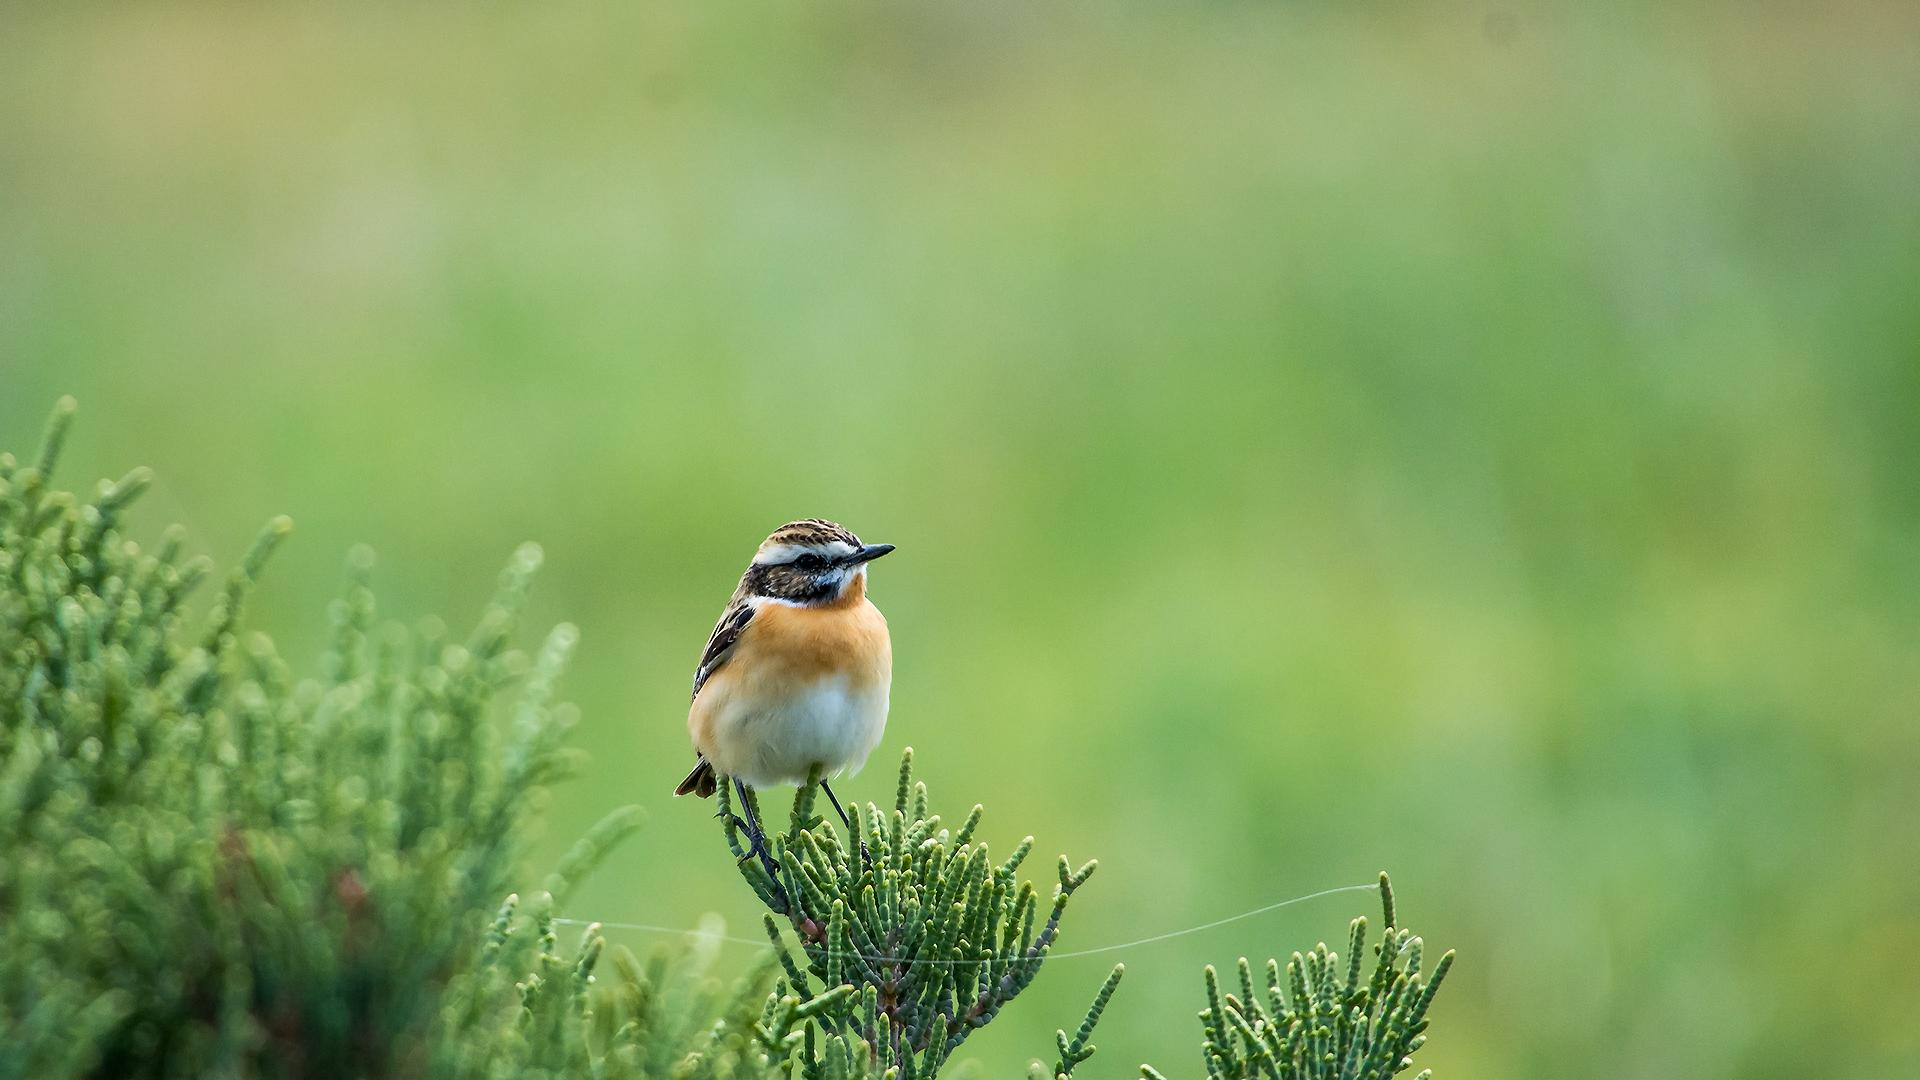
(758, 848)
(757, 845)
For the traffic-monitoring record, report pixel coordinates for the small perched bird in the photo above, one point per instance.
(797, 671)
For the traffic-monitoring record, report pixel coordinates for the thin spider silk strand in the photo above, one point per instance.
(1051, 956)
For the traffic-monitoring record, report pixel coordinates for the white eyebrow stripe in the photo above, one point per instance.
(785, 553)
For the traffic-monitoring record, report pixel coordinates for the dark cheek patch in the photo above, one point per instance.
(787, 583)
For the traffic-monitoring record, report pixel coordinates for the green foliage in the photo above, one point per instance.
(525, 1011)
(932, 936)
(917, 940)
(213, 869)
(1080, 1048)
(1323, 1024)
(886, 991)
(926, 931)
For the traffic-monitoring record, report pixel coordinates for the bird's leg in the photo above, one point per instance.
(735, 824)
(866, 860)
(844, 820)
(757, 837)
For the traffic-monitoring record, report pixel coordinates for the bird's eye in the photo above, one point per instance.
(809, 562)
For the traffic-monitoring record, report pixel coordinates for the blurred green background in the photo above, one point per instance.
(1476, 442)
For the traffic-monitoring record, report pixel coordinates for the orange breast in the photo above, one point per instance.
(803, 644)
(786, 650)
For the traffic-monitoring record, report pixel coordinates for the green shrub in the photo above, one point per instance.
(211, 869)
(1318, 1024)
(926, 939)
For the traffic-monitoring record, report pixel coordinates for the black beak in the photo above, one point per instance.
(871, 552)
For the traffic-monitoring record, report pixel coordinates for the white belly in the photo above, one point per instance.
(828, 723)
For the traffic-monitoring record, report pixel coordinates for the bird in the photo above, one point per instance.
(797, 672)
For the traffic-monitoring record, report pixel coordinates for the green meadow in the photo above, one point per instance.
(1477, 442)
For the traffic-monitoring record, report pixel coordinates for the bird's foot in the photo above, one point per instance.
(757, 849)
(737, 825)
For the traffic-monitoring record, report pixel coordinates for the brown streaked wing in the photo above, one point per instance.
(726, 633)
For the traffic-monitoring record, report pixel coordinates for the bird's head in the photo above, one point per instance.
(809, 562)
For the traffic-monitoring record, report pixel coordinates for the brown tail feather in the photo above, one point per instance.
(700, 781)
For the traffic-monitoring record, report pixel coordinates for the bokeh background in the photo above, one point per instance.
(1472, 441)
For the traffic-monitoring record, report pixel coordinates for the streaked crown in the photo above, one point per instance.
(809, 535)
(808, 562)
